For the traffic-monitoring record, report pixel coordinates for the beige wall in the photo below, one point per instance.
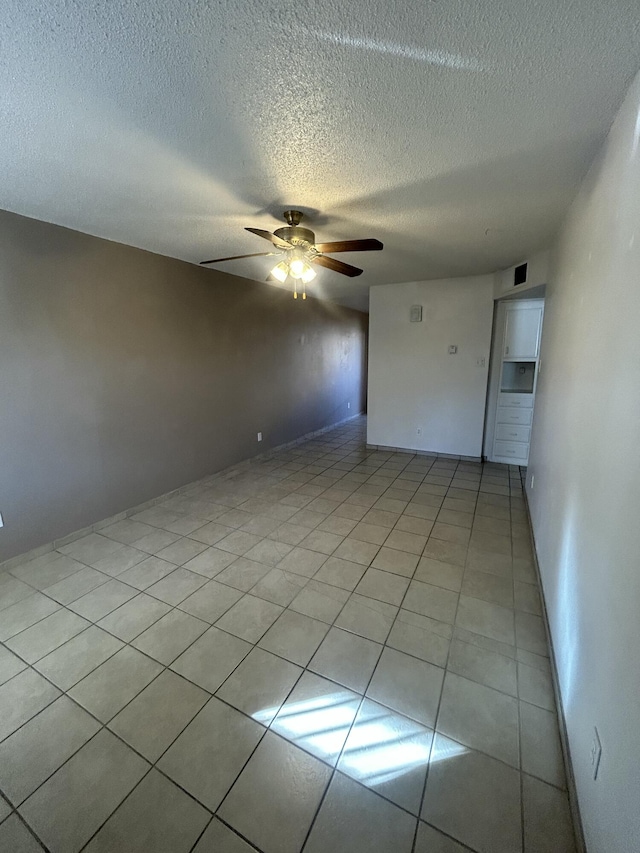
(585, 500)
(414, 383)
(125, 374)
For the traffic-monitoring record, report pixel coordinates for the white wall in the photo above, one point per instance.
(586, 502)
(413, 381)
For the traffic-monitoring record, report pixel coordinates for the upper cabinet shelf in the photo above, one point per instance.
(522, 331)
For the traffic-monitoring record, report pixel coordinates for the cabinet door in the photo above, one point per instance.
(523, 325)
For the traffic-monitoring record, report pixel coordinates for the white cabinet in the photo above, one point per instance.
(517, 345)
(523, 325)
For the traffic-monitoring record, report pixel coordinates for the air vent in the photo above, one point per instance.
(520, 274)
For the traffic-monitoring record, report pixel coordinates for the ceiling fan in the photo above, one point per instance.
(300, 250)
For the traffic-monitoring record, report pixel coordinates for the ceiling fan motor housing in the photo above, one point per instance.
(296, 235)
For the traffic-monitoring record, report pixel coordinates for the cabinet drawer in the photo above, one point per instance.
(513, 415)
(522, 401)
(506, 432)
(515, 450)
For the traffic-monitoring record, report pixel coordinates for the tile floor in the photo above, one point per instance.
(332, 649)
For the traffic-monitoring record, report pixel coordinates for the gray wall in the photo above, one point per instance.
(125, 374)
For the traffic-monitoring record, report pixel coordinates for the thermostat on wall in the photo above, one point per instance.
(415, 314)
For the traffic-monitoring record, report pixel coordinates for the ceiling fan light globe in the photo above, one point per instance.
(280, 272)
(308, 275)
(297, 268)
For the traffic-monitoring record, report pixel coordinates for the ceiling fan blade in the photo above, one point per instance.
(238, 257)
(350, 246)
(267, 235)
(336, 266)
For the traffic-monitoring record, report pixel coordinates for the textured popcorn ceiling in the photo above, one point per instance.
(455, 131)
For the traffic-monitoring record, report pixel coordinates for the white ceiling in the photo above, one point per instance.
(455, 131)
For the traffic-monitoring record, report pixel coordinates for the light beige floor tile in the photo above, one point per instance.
(336, 524)
(36, 750)
(106, 690)
(211, 658)
(397, 562)
(480, 718)
(412, 543)
(346, 658)
(218, 838)
(493, 564)
(242, 574)
(321, 541)
(211, 601)
(356, 551)
(211, 533)
(102, 600)
(488, 587)
(368, 755)
(355, 819)
(76, 658)
(547, 821)
(152, 543)
(146, 573)
(484, 666)
(158, 714)
(433, 601)
(21, 698)
(429, 840)
(276, 817)
(491, 542)
(446, 552)
(383, 586)
(133, 617)
(407, 685)
(438, 573)
(450, 533)
(279, 587)
(12, 590)
(210, 753)
(10, 665)
(294, 636)
(455, 517)
(126, 531)
(260, 685)
(90, 548)
(535, 686)
(16, 838)
(320, 601)
(25, 613)
(210, 562)
(74, 802)
(367, 617)
(40, 639)
(156, 816)
(249, 618)
(302, 561)
(530, 633)
(540, 745)
(341, 573)
(268, 552)
(421, 637)
(410, 524)
(380, 518)
(170, 636)
(177, 586)
(490, 821)
(527, 598)
(317, 716)
(483, 617)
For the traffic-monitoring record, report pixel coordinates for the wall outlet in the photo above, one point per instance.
(348, 405)
(453, 349)
(419, 431)
(596, 752)
(259, 436)
(533, 477)
(1, 520)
